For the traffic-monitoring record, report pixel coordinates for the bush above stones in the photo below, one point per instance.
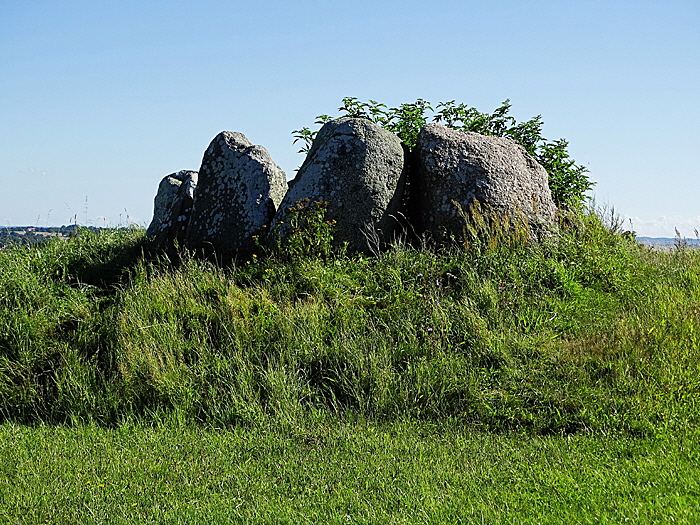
(568, 181)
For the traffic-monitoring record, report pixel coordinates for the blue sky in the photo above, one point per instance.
(100, 100)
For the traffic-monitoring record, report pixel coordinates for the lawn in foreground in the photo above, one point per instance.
(343, 473)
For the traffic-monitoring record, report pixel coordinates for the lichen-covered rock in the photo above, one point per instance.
(167, 191)
(174, 222)
(238, 191)
(449, 164)
(359, 168)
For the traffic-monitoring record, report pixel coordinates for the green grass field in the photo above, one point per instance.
(343, 473)
(497, 381)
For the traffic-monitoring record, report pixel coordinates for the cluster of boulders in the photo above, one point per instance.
(362, 171)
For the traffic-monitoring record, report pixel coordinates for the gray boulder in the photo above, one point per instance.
(238, 191)
(449, 164)
(359, 168)
(174, 223)
(163, 202)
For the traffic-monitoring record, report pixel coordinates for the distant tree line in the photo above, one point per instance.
(28, 235)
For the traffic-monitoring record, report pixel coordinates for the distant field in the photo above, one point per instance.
(669, 242)
(33, 234)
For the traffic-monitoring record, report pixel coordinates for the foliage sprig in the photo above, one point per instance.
(304, 234)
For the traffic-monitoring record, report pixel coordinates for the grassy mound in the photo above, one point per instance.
(585, 331)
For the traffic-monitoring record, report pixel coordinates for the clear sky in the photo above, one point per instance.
(99, 100)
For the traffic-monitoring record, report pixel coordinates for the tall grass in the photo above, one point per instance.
(586, 330)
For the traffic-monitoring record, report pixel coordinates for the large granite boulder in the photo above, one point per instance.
(163, 202)
(453, 165)
(359, 169)
(238, 191)
(174, 222)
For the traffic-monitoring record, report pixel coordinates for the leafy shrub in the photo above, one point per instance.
(304, 234)
(568, 181)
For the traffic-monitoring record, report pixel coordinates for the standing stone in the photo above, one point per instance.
(359, 168)
(238, 191)
(457, 165)
(163, 202)
(176, 219)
